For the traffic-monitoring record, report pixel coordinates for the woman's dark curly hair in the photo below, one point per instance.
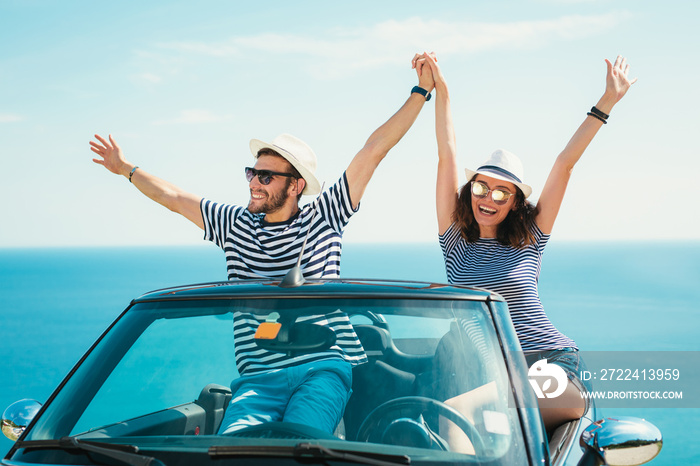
(515, 230)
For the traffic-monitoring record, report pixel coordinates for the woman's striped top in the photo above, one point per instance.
(511, 272)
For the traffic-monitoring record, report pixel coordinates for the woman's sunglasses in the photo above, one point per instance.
(481, 190)
(264, 176)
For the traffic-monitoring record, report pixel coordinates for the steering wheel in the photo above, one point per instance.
(385, 413)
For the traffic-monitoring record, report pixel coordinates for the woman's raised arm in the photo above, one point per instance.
(447, 173)
(616, 85)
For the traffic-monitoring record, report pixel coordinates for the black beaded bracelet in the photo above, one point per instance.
(598, 117)
(131, 173)
(600, 113)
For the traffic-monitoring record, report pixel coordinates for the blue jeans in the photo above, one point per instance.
(313, 394)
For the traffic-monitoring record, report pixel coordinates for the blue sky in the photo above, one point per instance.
(184, 87)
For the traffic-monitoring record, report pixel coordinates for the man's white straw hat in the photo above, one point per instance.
(296, 152)
(503, 165)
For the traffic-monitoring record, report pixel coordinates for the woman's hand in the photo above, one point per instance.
(617, 81)
(431, 60)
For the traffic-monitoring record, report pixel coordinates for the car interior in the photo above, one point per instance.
(415, 375)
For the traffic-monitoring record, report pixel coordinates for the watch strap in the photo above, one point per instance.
(421, 91)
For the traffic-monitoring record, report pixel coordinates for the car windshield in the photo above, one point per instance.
(429, 379)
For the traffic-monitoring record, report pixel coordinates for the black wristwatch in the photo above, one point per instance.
(421, 91)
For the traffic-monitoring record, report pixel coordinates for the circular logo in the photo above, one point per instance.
(541, 375)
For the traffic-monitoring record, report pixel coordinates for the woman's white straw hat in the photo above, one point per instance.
(296, 152)
(503, 165)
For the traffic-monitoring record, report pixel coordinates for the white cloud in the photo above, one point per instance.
(149, 77)
(341, 50)
(224, 49)
(10, 118)
(193, 116)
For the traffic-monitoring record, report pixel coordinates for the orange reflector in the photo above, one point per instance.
(268, 330)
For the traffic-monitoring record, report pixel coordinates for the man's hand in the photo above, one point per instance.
(423, 70)
(111, 155)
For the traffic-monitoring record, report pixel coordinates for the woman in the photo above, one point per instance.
(492, 237)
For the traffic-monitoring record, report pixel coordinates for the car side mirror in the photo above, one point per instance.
(17, 417)
(619, 441)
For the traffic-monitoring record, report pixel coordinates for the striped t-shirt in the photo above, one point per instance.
(251, 359)
(256, 249)
(511, 272)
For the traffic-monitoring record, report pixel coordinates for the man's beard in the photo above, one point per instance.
(273, 203)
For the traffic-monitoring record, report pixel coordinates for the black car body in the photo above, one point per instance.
(154, 388)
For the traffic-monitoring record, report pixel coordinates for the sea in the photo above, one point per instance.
(607, 296)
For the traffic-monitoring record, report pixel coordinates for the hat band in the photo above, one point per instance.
(282, 149)
(499, 170)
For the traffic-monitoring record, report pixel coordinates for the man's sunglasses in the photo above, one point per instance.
(481, 190)
(264, 176)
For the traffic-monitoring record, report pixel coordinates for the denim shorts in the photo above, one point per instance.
(568, 359)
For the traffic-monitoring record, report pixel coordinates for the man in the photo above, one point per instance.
(264, 240)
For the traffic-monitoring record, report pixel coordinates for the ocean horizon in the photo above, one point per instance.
(607, 296)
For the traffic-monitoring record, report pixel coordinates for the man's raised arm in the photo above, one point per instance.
(164, 193)
(363, 165)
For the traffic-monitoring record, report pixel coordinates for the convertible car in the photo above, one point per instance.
(442, 380)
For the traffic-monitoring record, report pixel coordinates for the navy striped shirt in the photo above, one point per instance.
(511, 272)
(251, 359)
(256, 249)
